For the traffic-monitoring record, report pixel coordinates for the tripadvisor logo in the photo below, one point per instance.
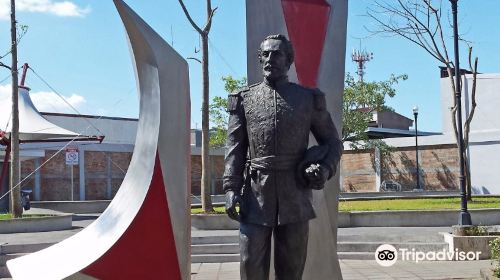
(388, 255)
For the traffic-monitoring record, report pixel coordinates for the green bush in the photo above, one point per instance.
(495, 255)
(476, 231)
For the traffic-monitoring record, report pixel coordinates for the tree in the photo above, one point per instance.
(16, 35)
(21, 30)
(15, 196)
(206, 202)
(420, 22)
(218, 114)
(361, 100)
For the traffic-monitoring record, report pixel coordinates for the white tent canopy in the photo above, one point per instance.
(32, 125)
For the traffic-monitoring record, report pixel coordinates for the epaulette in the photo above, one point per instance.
(319, 100)
(253, 85)
(234, 99)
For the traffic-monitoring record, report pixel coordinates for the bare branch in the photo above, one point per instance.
(441, 35)
(6, 66)
(188, 16)
(426, 30)
(210, 15)
(473, 98)
(194, 58)
(414, 30)
(21, 31)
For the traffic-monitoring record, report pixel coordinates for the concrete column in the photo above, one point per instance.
(81, 164)
(38, 181)
(378, 176)
(4, 202)
(109, 176)
(212, 175)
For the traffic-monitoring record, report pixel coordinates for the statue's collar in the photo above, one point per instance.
(276, 84)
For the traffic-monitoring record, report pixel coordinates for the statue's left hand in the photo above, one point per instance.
(232, 200)
(317, 174)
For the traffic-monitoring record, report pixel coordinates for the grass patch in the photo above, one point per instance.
(217, 210)
(418, 204)
(8, 216)
(5, 217)
(400, 204)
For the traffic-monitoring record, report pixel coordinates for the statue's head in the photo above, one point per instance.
(275, 55)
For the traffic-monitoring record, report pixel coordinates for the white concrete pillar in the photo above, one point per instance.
(378, 175)
(109, 176)
(38, 181)
(81, 164)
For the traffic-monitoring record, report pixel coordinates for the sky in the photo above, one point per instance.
(79, 48)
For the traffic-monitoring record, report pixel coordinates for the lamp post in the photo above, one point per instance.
(418, 188)
(464, 218)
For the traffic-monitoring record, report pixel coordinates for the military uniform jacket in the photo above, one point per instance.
(268, 134)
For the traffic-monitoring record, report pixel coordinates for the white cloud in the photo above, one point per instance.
(50, 102)
(44, 101)
(58, 8)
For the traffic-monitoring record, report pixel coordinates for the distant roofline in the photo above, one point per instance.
(367, 110)
(87, 116)
(392, 132)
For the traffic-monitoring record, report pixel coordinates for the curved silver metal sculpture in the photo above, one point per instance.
(145, 231)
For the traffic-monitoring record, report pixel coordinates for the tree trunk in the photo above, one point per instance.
(15, 195)
(206, 201)
(467, 177)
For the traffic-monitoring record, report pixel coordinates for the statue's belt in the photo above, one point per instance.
(274, 163)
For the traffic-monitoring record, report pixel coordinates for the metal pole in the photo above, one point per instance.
(72, 189)
(464, 219)
(416, 151)
(15, 194)
(5, 168)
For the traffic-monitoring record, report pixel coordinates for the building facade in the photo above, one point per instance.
(102, 167)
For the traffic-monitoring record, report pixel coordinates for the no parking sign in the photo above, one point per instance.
(72, 156)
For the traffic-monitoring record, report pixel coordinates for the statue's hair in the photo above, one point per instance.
(288, 46)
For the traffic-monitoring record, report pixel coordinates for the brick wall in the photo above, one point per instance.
(358, 171)
(439, 168)
(55, 175)
(217, 167)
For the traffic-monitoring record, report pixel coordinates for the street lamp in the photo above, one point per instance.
(464, 219)
(418, 188)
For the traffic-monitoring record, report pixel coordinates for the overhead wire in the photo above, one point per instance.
(10, 116)
(221, 57)
(5, 79)
(101, 116)
(42, 164)
(64, 99)
(65, 145)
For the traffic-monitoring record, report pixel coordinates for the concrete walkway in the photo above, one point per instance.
(351, 269)
(361, 270)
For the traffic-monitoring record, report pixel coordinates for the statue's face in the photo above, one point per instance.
(273, 59)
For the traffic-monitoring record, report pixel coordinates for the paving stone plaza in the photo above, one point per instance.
(359, 269)
(352, 269)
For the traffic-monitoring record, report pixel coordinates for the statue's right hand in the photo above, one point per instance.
(232, 200)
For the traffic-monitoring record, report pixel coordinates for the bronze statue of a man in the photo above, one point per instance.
(269, 170)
